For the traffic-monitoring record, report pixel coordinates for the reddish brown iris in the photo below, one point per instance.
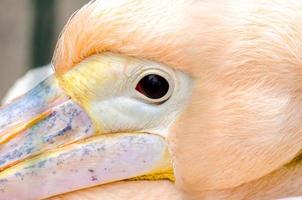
(153, 86)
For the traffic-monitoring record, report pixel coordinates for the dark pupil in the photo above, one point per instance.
(153, 86)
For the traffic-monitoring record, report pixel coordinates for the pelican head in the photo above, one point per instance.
(203, 93)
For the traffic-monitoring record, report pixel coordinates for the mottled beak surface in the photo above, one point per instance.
(55, 139)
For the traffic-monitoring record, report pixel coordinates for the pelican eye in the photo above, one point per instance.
(154, 87)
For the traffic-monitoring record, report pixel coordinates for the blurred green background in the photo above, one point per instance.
(28, 33)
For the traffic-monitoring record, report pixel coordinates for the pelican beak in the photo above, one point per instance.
(49, 145)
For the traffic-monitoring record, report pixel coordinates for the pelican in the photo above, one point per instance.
(152, 99)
